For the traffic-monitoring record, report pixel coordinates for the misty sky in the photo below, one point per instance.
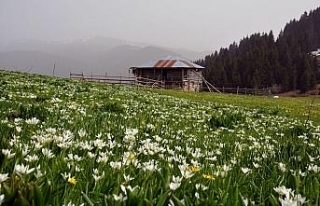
(193, 24)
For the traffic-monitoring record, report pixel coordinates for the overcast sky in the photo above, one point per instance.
(193, 24)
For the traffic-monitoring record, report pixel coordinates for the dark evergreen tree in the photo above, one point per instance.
(260, 60)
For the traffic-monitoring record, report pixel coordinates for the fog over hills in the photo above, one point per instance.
(99, 55)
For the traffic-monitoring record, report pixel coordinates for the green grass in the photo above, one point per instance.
(296, 107)
(66, 142)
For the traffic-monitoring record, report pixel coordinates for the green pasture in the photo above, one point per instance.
(67, 142)
(303, 108)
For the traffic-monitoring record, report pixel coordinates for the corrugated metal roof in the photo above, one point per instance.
(169, 62)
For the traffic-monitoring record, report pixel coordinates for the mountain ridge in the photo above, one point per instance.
(99, 55)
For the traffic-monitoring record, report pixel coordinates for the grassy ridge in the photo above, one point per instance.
(296, 107)
(77, 143)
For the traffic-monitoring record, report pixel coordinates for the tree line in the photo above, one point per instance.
(260, 60)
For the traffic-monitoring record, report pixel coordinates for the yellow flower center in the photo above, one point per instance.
(193, 169)
(131, 156)
(208, 176)
(72, 180)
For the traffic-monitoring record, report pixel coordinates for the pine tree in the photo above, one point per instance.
(260, 60)
(307, 80)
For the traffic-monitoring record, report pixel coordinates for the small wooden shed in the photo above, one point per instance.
(171, 72)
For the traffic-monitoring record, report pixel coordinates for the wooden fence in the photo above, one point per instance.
(138, 81)
(151, 83)
(248, 91)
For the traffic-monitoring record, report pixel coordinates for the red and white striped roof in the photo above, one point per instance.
(169, 62)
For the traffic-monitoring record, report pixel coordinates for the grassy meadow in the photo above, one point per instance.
(303, 108)
(65, 142)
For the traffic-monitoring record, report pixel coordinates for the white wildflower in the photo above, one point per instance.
(226, 168)
(7, 153)
(18, 129)
(65, 175)
(17, 121)
(22, 169)
(31, 158)
(298, 172)
(111, 144)
(51, 130)
(77, 168)
(150, 126)
(176, 182)
(1, 199)
(150, 166)
(96, 175)
(55, 100)
(25, 151)
(245, 170)
(127, 178)
(32, 121)
(131, 189)
(203, 187)
(299, 199)
(116, 165)
(120, 197)
(282, 190)
(75, 158)
(292, 200)
(129, 137)
(99, 143)
(282, 167)
(47, 153)
(256, 165)
(82, 133)
(103, 158)
(314, 168)
(129, 158)
(85, 145)
(185, 171)
(234, 161)
(3, 177)
(245, 201)
(91, 155)
(38, 173)
(197, 195)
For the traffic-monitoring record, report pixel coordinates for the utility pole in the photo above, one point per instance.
(54, 68)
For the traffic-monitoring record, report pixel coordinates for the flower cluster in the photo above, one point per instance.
(86, 143)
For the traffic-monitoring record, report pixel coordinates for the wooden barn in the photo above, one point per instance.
(171, 73)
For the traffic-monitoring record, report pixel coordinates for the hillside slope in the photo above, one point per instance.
(75, 142)
(261, 60)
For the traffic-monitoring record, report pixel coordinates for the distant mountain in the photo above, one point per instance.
(99, 55)
(95, 44)
(118, 60)
(189, 54)
(39, 62)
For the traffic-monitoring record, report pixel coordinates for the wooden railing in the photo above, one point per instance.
(77, 76)
(138, 81)
(142, 81)
(103, 78)
(248, 91)
(152, 83)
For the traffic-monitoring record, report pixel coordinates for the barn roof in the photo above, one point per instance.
(169, 62)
